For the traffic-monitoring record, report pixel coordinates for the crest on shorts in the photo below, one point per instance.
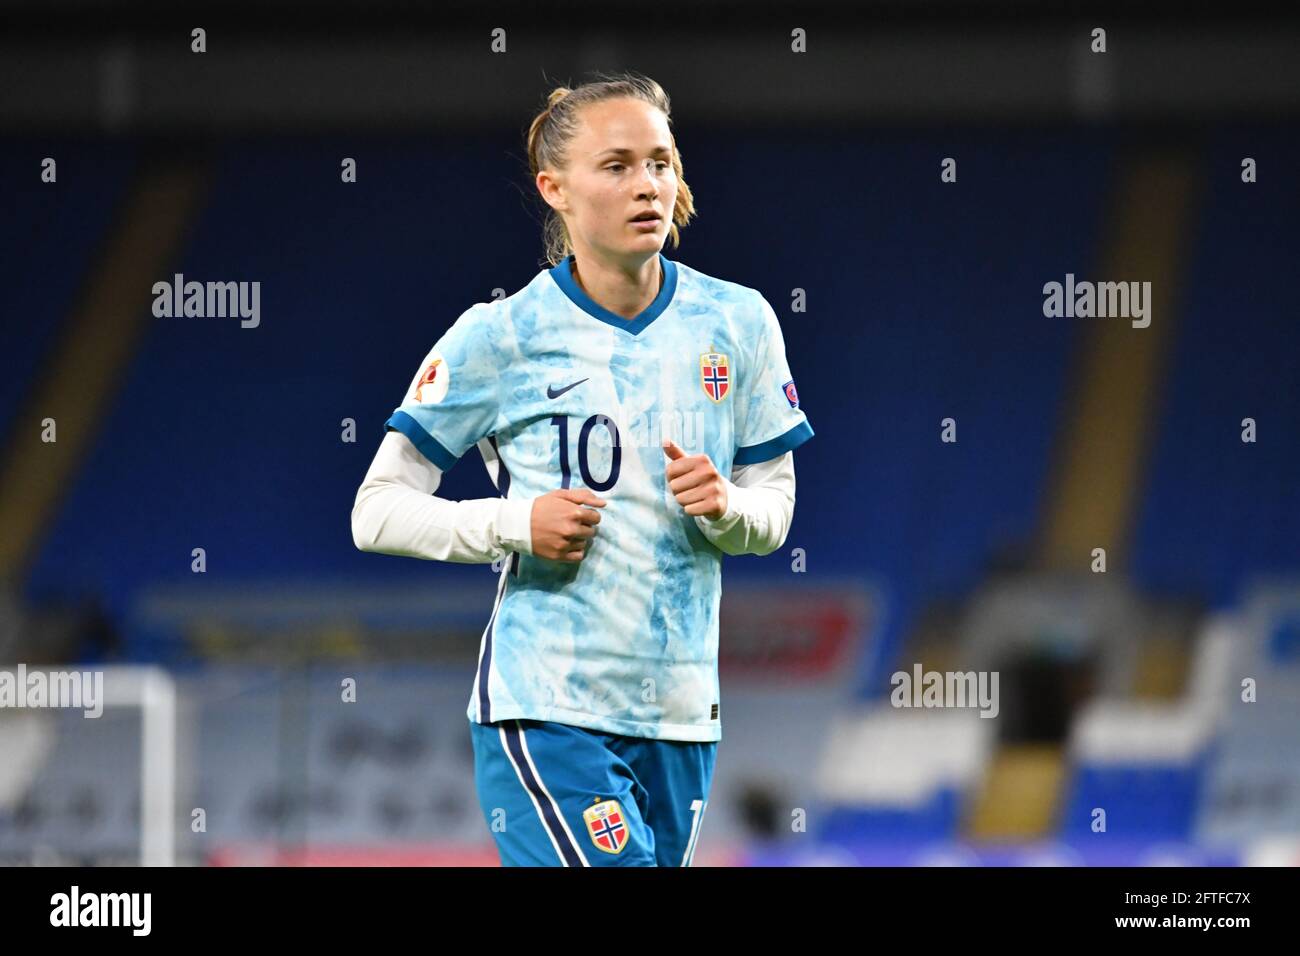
(606, 825)
(432, 384)
(715, 375)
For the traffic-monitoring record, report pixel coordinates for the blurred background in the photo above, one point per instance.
(1107, 532)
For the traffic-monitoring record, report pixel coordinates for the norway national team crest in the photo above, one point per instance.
(715, 375)
(606, 825)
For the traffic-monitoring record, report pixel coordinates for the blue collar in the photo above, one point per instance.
(562, 273)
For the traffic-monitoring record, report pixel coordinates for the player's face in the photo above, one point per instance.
(620, 165)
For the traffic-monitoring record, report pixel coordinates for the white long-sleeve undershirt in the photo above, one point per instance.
(760, 507)
(396, 511)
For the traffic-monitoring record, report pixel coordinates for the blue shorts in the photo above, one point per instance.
(558, 795)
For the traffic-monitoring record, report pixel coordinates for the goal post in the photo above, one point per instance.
(57, 750)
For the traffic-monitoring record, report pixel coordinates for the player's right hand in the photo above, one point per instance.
(562, 527)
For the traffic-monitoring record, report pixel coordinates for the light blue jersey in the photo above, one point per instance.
(558, 392)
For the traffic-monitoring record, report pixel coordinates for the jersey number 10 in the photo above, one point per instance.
(584, 436)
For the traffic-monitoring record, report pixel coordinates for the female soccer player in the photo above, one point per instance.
(609, 399)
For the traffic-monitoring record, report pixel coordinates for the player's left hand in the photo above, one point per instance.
(695, 483)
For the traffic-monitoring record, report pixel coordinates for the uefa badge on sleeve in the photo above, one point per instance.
(431, 386)
(791, 395)
(606, 826)
(715, 375)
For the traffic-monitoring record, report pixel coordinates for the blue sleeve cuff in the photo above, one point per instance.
(777, 446)
(429, 446)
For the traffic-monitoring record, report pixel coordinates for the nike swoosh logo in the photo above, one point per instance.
(553, 392)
